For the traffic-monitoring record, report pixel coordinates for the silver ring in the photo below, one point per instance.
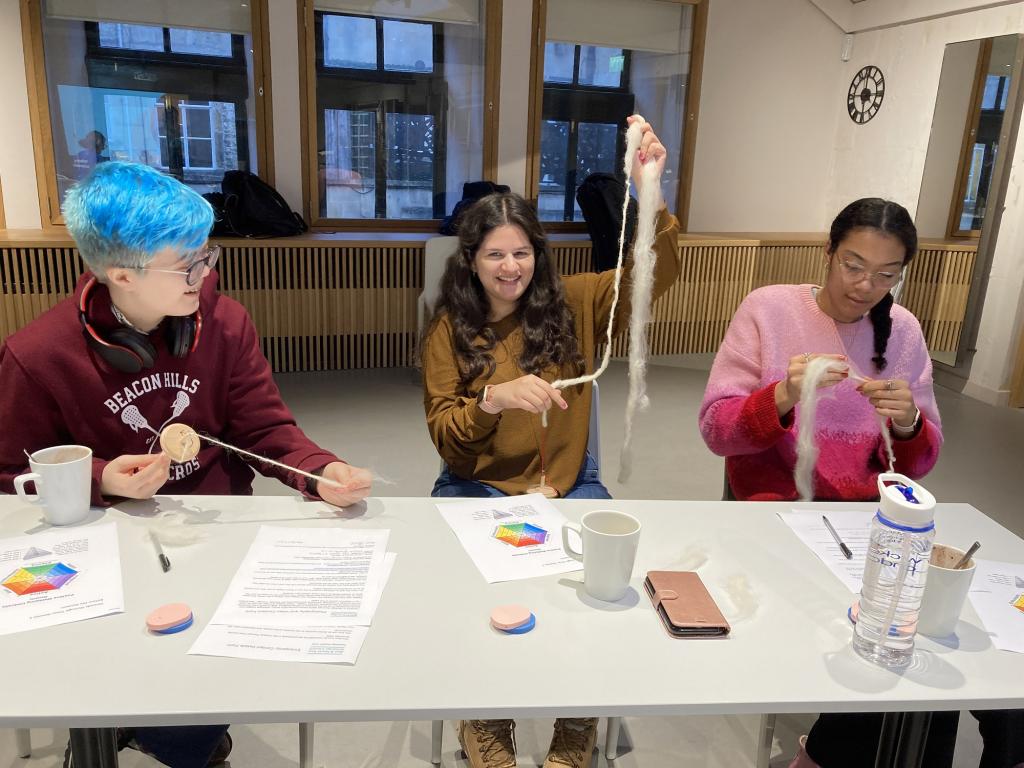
(807, 357)
(888, 385)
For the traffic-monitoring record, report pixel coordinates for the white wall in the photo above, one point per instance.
(516, 39)
(886, 158)
(873, 14)
(770, 98)
(284, 81)
(17, 163)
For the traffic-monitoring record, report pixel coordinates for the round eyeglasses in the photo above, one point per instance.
(854, 273)
(194, 273)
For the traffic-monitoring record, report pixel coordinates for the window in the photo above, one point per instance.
(581, 92)
(601, 64)
(398, 118)
(178, 98)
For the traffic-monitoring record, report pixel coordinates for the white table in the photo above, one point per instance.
(431, 654)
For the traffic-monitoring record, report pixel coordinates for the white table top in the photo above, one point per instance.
(431, 654)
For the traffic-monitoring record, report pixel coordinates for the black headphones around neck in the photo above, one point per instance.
(129, 350)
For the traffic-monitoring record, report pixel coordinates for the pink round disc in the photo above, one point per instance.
(167, 616)
(509, 616)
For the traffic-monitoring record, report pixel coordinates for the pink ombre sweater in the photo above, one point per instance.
(738, 418)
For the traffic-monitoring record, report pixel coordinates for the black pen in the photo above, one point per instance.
(842, 547)
(165, 562)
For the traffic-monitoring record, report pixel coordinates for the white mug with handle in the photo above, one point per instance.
(609, 540)
(63, 479)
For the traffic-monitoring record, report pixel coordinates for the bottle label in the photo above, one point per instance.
(889, 557)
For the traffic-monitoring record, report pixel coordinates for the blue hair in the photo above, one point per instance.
(122, 214)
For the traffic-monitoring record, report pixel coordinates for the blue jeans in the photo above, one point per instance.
(587, 485)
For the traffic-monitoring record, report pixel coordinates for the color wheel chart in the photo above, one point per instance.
(520, 534)
(39, 578)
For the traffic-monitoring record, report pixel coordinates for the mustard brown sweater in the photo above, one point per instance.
(503, 450)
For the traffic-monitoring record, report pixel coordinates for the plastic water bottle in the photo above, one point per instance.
(902, 532)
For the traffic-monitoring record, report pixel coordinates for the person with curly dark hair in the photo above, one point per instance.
(505, 327)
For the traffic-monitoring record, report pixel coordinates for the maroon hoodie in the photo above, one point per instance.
(55, 390)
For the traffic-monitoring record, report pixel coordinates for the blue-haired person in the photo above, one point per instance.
(146, 340)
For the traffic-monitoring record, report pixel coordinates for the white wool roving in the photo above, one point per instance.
(643, 282)
(806, 447)
(640, 311)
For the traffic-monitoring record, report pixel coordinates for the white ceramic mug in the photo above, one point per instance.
(63, 480)
(944, 592)
(609, 541)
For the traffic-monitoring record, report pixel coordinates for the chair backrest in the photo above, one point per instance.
(594, 439)
(436, 253)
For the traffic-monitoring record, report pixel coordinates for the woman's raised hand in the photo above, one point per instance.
(651, 151)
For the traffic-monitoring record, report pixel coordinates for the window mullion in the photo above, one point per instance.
(380, 171)
(380, 45)
(570, 168)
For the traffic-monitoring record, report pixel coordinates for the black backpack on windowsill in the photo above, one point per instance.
(249, 207)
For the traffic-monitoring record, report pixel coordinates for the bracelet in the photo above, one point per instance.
(900, 431)
(483, 400)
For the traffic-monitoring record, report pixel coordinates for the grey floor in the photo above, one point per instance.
(375, 419)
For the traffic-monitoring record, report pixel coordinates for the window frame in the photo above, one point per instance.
(536, 110)
(310, 69)
(963, 172)
(39, 99)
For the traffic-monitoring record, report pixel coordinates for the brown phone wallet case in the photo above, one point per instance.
(684, 604)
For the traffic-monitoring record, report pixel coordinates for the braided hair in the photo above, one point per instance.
(888, 218)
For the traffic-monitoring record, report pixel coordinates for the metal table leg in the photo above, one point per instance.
(94, 748)
(902, 741)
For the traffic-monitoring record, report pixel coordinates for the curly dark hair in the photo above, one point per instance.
(891, 219)
(549, 328)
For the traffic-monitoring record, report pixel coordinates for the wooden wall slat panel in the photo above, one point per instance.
(337, 306)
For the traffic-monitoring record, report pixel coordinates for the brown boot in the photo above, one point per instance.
(488, 743)
(572, 744)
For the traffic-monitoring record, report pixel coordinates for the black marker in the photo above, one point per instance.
(165, 562)
(842, 547)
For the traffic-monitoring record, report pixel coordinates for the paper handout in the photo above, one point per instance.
(512, 537)
(59, 576)
(301, 594)
(852, 526)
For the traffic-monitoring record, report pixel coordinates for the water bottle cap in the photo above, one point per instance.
(904, 501)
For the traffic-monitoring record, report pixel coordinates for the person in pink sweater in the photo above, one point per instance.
(750, 413)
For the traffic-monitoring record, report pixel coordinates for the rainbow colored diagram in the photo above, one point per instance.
(520, 534)
(39, 578)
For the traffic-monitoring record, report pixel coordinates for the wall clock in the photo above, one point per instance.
(864, 99)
